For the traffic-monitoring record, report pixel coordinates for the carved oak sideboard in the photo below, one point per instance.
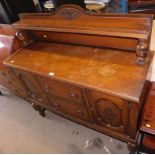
(92, 69)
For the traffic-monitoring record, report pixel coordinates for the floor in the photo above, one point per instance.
(23, 130)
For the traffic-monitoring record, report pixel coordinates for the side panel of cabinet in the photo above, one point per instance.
(109, 111)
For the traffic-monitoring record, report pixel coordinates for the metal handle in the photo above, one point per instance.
(79, 112)
(31, 94)
(20, 35)
(46, 88)
(57, 105)
(72, 95)
(40, 99)
(98, 119)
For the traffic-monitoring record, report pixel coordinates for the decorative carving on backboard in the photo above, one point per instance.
(69, 14)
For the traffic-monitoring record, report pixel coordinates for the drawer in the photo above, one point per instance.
(109, 111)
(61, 89)
(68, 107)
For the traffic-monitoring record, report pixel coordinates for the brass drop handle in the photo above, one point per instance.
(20, 35)
(79, 112)
(57, 105)
(72, 95)
(31, 94)
(40, 99)
(46, 88)
(98, 119)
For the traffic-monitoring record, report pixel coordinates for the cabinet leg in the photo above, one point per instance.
(35, 106)
(132, 147)
(42, 112)
(40, 109)
(0, 93)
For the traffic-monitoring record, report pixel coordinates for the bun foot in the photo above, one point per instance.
(36, 107)
(132, 147)
(40, 109)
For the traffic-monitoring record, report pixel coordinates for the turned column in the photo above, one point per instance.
(24, 37)
(142, 51)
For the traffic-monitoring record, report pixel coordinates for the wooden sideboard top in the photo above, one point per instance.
(148, 118)
(73, 19)
(111, 71)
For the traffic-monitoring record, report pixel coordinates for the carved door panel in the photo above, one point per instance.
(14, 85)
(9, 80)
(109, 111)
(28, 82)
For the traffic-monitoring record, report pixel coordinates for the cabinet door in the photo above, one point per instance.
(9, 80)
(109, 111)
(28, 82)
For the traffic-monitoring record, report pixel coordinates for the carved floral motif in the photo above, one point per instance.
(69, 14)
(109, 116)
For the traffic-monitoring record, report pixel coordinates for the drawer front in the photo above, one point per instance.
(61, 89)
(109, 111)
(68, 107)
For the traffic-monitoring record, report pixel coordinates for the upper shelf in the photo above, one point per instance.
(74, 19)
